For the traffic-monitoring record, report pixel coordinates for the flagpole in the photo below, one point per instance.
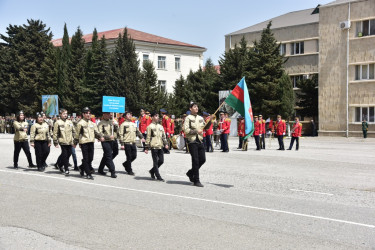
(219, 107)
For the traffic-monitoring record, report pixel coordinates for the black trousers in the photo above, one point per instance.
(144, 143)
(208, 143)
(280, 138)
(256, 137)
(66, 152)
(364, 133)
(240, 141)
(59, 160)
(41, 152)
(158, 160)
(17, 149)
(110, 151)
(198, 158)
(131, 155)
(88, 156)
(263, 141)
(224, 142)
(292, 142)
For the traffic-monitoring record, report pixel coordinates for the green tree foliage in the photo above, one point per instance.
(49, 72)
(263, 70)
(286, 97)
(124, 74)
(307, 97)
(26, 48)
(152, 96)
(7, 104)
(178, 102)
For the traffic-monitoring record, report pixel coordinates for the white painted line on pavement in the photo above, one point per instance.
(307, 191)
(89, 182)
(177, 175)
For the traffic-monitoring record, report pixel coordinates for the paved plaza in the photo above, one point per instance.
(320, 197)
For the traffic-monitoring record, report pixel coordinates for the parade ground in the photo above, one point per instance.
(320, 197)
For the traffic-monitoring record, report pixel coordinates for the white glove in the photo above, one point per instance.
(283, 133)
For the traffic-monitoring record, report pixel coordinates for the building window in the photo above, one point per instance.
(282, 49)
(297, 48)
(177, 63)
(362, 113)
(365, 28)
(145, 57)
(365, 72)
(297, 79)
(163, 85)
(161, 62)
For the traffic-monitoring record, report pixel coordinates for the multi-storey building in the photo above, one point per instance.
(336, 41)
(171, 58)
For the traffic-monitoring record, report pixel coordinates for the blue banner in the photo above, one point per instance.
(50, 105)
(113, 104)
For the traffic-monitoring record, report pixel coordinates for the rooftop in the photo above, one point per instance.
(136, 35)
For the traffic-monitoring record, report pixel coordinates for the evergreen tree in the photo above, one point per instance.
(286, 97)
(263, 69)
(49, 72)
(28, 46)
(64, 86)
(213, 82)
(124, 73)
(178, 102)
(307, 97)
(6, 103)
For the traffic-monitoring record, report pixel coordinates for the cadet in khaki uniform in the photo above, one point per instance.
(40, 139)
(156, 141)
(86, 132)
(128, 133)
(63, 134)
(21, 140)
(2, 125)
(193, 127)
(109, 128)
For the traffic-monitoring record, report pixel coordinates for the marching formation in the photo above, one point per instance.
(157, 134)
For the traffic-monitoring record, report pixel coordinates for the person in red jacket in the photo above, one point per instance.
(144, 121)
(207, 133)
(263, 135)
(166, 123)
(296, 133)
(257, 131)
(240, 131)
(224, 126)
(280, 132)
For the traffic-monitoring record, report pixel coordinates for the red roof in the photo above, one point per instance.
(134, 34)
(217, 68)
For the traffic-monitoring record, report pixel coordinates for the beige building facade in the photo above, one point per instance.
(316, 42)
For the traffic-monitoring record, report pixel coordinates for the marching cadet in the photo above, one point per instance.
(280, 132)
(263, 135)
(183, 131)
(171, 130)
(144, 121)
(20, 140)
(364, 128)
(193, 127)
(63, 134)
(128, 133)
(2, 125)
(224, 127)
(156, 141)
(86, 133)
(9, 124)
(208, 132)
(257, 131)
(40, 139)
(241, 132)
(165, 122)
(296, 133)
(108, 128)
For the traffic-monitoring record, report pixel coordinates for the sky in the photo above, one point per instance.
(199, 22)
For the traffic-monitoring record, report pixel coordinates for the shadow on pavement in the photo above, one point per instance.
(143, 178)
(180, 182)
(221, 185)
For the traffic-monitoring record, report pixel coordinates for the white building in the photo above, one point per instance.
(171, 58)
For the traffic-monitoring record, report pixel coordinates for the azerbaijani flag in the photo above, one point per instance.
(239, 100)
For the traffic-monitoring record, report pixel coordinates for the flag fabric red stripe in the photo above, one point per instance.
(238, 93)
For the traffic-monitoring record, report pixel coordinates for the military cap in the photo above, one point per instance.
(260, 116)
(205, 113)
(192, 103)
(86, 110)
(188, 112)
(240, 117)
(39, 114)
(19, 113)
(163, 111)
(255, 116)
(153, 113)
(221, 112)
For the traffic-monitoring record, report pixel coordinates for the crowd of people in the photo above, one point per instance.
(157, 133)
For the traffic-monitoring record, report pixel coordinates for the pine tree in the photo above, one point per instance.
(178, 102)
(124, 73)
(307, 97)
(6, 103)
(263, 69)
(286, 97)
(63, 58)
(213, 82)
(49, 72)
(28, 46)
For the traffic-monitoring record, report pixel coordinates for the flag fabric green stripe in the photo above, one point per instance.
(236, 104)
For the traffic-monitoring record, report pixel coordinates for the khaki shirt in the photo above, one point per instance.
(40, 132)
(156, 138)
(19, 134)
(128, 132)
(86, 132)
(63, 132)
(192, 124)
(105, 127)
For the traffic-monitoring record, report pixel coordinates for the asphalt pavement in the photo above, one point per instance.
(320, 197)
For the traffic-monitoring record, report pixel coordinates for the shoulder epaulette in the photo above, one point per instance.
(228, 120)
(166, 117)
(172, 121)
(147, 117)
(283, 121)
(264, 121)
(300, 124)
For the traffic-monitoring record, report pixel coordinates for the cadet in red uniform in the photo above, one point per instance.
(257, 131)
(166, 123)
(207, 133)
(224, 126)
(263, 135)
(280, 132)
(144, 121)
(240, 131)
(296, 133)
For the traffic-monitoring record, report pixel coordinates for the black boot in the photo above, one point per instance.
(113, 174)
(198, 184)
(152, 174)
(190, 175)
